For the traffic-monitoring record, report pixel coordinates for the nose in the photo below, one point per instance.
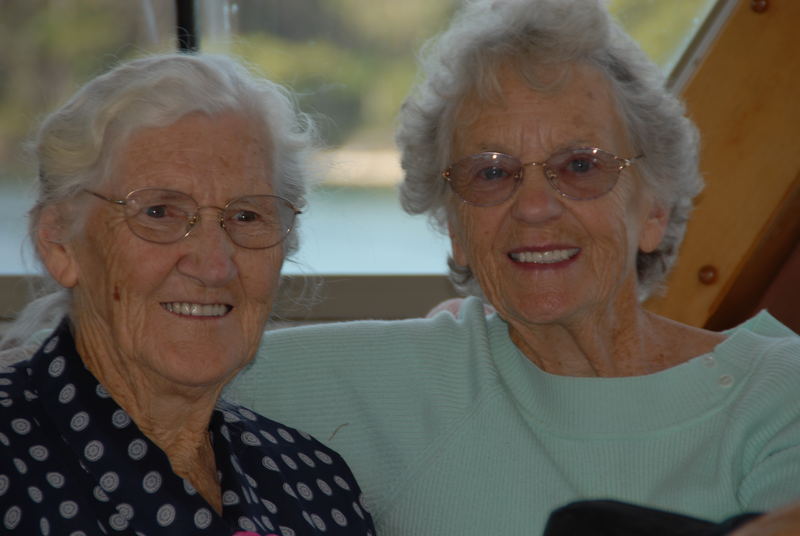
(209, 255)
(535, 201)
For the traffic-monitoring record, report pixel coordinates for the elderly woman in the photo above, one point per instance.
(167, 195)
(543, 141)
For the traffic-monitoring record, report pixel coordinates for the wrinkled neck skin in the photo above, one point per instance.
(621, 339)
(174, 417)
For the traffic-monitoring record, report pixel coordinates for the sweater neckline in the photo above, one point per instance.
(580, 406)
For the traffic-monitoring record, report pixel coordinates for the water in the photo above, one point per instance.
(344, 230)
(15, 253)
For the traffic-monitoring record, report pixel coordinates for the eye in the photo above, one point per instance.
(157, 211)
(246, 216)
(493, 173)
(157, 208)
(488, 169)
(580, 165)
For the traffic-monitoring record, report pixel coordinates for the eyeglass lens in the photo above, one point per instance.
(165, 216)
(487, 179)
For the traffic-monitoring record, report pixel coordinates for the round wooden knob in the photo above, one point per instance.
(759, 6)
(708, 274)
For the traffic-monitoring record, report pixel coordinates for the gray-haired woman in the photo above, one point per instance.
(168, 192)
(542, 140)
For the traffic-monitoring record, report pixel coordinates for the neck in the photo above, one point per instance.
(577, 350)
(174, 417)
(621, 339)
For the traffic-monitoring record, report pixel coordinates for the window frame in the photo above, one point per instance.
(345, 297)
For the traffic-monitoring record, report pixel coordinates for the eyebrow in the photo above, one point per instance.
(485, 147)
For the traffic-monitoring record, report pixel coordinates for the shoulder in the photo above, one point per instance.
(763, 357)
(367, 353)
(374, 335)
(23, 445)
(766, 409)
(272, 452)
(252, 429)
(16, 391)
(763, 345)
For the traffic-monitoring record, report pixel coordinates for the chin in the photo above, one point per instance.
(202, 367)
(546, 308)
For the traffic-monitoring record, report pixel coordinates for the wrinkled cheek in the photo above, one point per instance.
(615, 263)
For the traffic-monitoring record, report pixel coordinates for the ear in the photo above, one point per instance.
(54, 248)
(459, 253)
(654, 227)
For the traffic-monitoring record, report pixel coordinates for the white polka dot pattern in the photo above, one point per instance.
(12, 517)
(288, 461)
(93, 451)
(230, 497)
(202, 518)
(339, 518)
(109, 482)
(35, 494)
(55, 479)
(269, 463)
(151, 482)
(120, 419)
(137, 449)
(68, 509)
(39, 453)
(67, 394)
(56, 367)
(21, 426)
(79, 421)
(165, 515)
(306, 460)
(274, 480)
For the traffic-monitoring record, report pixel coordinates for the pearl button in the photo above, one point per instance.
(709, 361)
(726, 380)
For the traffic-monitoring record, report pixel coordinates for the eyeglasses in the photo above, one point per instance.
(166, 216)
(582, 173)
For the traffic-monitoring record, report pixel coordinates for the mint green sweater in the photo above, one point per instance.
(450, 430)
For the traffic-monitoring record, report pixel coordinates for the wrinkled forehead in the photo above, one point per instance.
(559, 96)
(211, 148)
(494, 83)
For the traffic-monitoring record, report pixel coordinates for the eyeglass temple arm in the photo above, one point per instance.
(626, 162)
(104, 198)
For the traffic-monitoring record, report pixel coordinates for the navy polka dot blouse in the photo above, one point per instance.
(73, 463)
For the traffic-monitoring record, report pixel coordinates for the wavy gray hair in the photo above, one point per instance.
(77, 144)
(533, 34)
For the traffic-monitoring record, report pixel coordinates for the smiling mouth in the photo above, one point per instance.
(544, 257)
(197, 309)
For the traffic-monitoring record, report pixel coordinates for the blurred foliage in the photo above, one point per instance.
(49, 48)
(352, 61)
(662, 27)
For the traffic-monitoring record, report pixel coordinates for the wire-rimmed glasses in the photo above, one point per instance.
(166, 216)
(581, 173)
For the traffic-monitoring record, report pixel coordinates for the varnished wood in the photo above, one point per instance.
(745, 98)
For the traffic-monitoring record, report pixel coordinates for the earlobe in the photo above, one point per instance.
(54, 249)
(654, 228)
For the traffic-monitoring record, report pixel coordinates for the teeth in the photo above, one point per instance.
(196, 309)
(545, 257)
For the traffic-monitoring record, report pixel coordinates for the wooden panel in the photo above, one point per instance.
(769, 256)
(745, 98)
(342, 297)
